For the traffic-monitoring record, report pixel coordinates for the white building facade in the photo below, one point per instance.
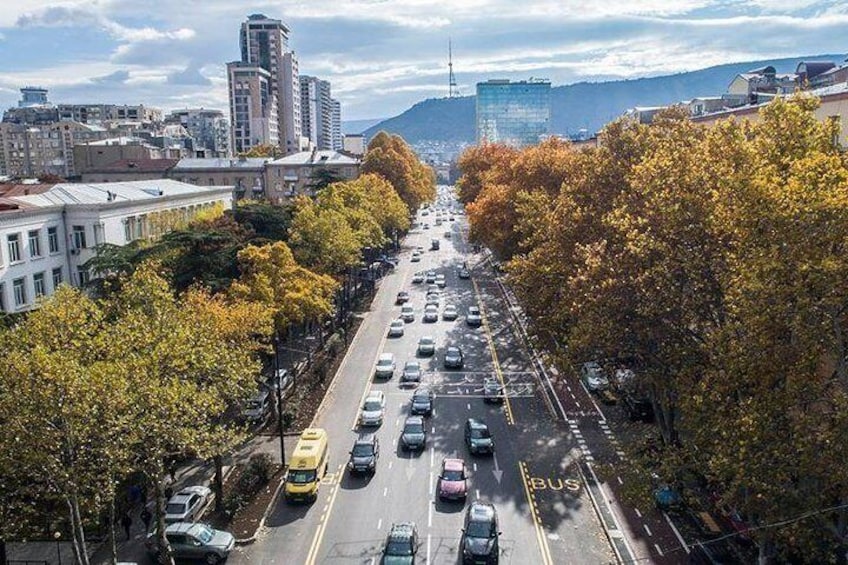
(48, 235)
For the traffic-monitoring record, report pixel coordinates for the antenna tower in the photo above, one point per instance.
(452, 90)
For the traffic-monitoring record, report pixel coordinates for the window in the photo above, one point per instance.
(38, 284)
(14, 240)
(34, 243)
(19, 290)
(83, 276)
(98, 234)
(57, 277)
(53, 240)
(79, 237)
(129, 222)
(3, 298)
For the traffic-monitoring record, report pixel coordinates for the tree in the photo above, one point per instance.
(265, 222)
(323, 177)
(263, 150)
(322, 239)
(271, 277)
(475, 163)
(390, 157)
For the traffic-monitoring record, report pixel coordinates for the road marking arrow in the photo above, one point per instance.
(497, 472)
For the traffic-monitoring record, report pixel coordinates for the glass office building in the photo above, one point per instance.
(513, 113)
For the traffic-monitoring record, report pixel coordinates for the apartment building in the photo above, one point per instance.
(210, 130)
(49, 232)
(27, 151)
(253, 107)
(320, 114)
(296, 174)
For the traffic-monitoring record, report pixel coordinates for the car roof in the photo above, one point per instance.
(453, 464)
(413, 364)
(475, 423)
(414, 420)
(374, 394)
(366, 439)
(427, 338)
(422, 391)
(386, 356)
(454, 348)
(181, 527)
(402, 530)
(397, 322)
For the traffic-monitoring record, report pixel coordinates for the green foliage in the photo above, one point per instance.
(265, 221)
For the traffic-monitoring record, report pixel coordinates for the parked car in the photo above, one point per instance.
(453, 480)
(416, 257)
(418, 278)
(440, 281)
(385, 368)
(480, 534)
(478, 438)
(364, 454)
(454, 358)
(449, 312)
(257, 409)
(431, 313)
(401, 544)
(432, 299)
(373, 409)
(413, 436)
(426, 346)
(396, 328)
(464, 273)
(281, 379)
(407, 314)
(422, 402)
(402, 297)
(411, 372)
(187, 504)
(430, 277)
(593, 376)
(474, 318)
(190, 541)
(493, 391)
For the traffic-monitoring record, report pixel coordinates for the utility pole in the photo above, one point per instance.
(279, 386)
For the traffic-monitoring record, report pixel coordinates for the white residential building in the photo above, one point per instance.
(49, 232)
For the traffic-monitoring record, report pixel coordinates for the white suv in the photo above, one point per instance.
(372, 409)
(385, 366)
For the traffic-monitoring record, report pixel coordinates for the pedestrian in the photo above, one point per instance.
(169, 492)
(126, 522)
(172, 470)
(146, 517)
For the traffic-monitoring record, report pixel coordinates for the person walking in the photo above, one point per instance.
(126, 522)
(146, 517)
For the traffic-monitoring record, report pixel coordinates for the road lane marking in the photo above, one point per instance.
(380, 524)
(312, 556)
(647, 529)
(534, 513)
(390, 465)
(385, 491)
(676, 533)
(660, 551)
(510, 420)
(620, 481)
(430, 516)
(638, 513)
(432, 456)
(428, 549)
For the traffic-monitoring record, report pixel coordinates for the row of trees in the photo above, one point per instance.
(713, 262)
(152, 362)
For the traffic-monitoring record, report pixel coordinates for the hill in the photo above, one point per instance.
(587, 105)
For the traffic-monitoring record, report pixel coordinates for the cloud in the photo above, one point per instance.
(190, 76)
(118, 77)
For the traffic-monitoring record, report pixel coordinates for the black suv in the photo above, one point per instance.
(478, 438)
(364, 455)
(480, 534)
(422, 402)
(413, 437)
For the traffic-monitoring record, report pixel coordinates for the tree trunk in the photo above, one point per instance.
(113, 547)
(218, 460)
(77, 532)
(166, 557)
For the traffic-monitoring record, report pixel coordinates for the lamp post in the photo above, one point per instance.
(57, 536)
(278, 386)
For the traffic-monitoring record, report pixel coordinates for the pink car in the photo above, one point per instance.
(453, 482)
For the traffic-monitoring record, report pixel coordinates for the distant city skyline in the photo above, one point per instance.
(383, 56)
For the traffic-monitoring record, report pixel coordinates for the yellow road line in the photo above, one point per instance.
(534, 513)
(322, 526)
(510, 420)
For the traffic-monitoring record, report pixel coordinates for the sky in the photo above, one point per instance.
(382, 56)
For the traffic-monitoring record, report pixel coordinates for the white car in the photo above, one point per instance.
(372, 409)
(416, 257)
(427, 345)
(407, 314)
(440, 281)
(449, 312)
(431, 313)
(396, 328)
(186, 505)
(418, 278)
(385, 366)
(473, 318)
(430, 277)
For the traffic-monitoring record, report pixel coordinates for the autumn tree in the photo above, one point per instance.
(390, 157)
(322, 239)
(476, 163)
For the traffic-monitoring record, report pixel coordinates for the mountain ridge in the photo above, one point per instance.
(581, 105)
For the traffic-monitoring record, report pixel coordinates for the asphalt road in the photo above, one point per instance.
(533, 480)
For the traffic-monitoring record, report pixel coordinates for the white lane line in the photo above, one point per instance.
(428, 549)
(390, 465)
(475, 467)
(477, 494)
(468, 406)
(430, 516)
(676, 533)
(386, 491)
(620, 481)
(380, 524)
(577, 403)
(660, 551)
(647, 529)
(638, 513)
(573, 397)
(432, 456)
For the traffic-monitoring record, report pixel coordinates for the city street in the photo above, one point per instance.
(545, 514)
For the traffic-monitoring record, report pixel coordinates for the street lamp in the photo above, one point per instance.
(278, 386)
(57, 536)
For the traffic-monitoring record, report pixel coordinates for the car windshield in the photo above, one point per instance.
(362, 450)
(453, 352)
(397, 547)
(480, 433)
(413, 367)
(426, 341)
(301, 477)
(175, 508)
(384, 363)
(453, 475)
(372, 405)
(203, 533)
(478, 529)
(473, 311)
(413, 428)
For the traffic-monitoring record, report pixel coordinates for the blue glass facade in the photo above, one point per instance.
(513, 113)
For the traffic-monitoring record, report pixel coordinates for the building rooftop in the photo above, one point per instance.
(119, 141)
(138, 165)
(106, 192)
(323, 157)
(234, 163)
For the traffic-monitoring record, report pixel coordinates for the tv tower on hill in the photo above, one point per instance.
(453, 91)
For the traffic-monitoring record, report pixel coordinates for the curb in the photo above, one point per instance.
(271, 504)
